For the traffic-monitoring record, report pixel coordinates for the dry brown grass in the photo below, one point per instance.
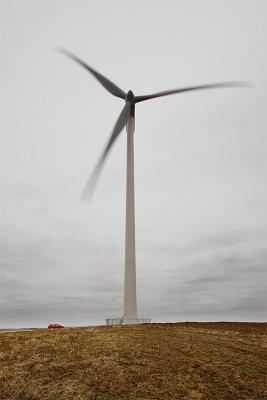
(157, 361)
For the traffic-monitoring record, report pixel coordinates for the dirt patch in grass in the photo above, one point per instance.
(209, 361)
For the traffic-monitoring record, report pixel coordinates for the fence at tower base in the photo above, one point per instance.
(119, 321)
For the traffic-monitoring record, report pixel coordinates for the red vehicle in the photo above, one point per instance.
(55, 326)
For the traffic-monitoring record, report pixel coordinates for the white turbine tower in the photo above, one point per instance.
(130, 302)
(127, 118)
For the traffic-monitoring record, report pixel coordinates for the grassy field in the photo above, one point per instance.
(209, 361)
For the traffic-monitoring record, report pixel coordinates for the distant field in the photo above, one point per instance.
(210, 361)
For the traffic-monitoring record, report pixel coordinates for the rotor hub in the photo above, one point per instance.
(130, 97)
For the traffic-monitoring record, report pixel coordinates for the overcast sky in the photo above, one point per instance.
(200, 160)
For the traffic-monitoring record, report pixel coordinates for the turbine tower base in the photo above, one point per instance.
(127, 321)
(130, 320)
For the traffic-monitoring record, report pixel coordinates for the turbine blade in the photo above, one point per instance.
(92, 181)
(187, 89)
(110, 86)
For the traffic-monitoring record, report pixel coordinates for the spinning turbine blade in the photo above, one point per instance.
(110, 86)
(92, 181)
(187, 89)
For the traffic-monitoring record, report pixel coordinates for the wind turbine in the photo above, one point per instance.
(127, 118)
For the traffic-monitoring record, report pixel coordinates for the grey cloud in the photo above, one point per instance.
(200, 162)
(232, 285)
